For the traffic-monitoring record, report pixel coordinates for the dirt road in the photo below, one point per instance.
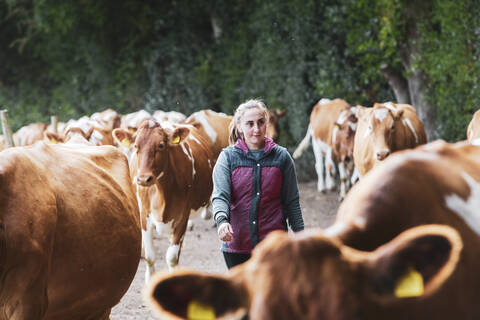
(201, 249)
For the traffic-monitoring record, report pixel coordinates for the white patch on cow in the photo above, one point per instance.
(320, 150)
(360, 222)
(390, 106)
(380, 114)
(139, 201)
(134, 119)
(467, 209)
(160, 227)
(151, 124)
(96, 138)
(476, 142)
(147, 241)
(189, 154)
(334, 134)
(209, 164)
(192, 137)
(324, 101)
(342, 117)
(160, 175)
(352, 125)
(172, 256)
(335, 229)
(202, 118)
(408, 123)
(167, 125)
(369, 130)
(353, 110)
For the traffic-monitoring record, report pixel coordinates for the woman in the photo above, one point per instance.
(255, 186)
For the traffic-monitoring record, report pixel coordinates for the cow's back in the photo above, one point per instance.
(413, 132)
(70, 213)
(323, 118)
(214, 127)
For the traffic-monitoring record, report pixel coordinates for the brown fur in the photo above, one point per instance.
(70, 231)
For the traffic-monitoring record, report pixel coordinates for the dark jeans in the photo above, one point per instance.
(233, 259)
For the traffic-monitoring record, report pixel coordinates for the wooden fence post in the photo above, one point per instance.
(7, 132)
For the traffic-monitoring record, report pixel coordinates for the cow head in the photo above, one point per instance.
(273, 120)
(382, 126)
(343, 138)
(152, 144)
(315, 277)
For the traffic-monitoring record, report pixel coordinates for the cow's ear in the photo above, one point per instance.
(53, 137)
(191, 295)
(398, 114)
(416, 263)
(123, 137)
(178, 135)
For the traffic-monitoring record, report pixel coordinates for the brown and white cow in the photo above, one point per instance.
(332, 130)
(473, 130)
(29, 134)
(383, 129)
(213, 126)
(172, 168)
(70, 231)
(309, 276)
(109, 119)
(171, 116)
(132, 121)
(381, 259)
(274, 116)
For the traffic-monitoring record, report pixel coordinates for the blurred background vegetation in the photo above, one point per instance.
(73, 58)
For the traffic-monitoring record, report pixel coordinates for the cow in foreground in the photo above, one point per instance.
(473, 130)
(332, 129)
(381, 259)
(384, 129)
(172, 169)
(309, 276)
(70, 231)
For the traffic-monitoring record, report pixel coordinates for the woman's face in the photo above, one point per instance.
(253, 125)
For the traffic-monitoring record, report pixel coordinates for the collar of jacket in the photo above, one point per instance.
(269, 144)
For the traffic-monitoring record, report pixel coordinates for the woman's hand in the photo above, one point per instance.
(225, 232)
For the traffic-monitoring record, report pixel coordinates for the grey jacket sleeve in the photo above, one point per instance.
(221, 189)
(290, 196)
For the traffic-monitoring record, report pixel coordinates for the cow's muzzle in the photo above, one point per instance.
(145, 180)
(382, 154)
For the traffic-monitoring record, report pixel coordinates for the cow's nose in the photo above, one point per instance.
(382, 154)
(146, 180)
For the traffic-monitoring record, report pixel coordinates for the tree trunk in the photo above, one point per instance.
(411, 54)
(397, 82)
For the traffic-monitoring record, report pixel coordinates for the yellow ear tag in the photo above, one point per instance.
(53, 140)
(199, 311)
(409, 285)
(131, 130)
(125, 142)
(176, 140)
(336, 126)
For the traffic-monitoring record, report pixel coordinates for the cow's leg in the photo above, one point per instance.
(329, 169)
(24, 288)
(173, 252)
(355, 176)
(147, 241)
(317, 151)
(343, 180)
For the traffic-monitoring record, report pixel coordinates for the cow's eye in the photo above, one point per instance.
(161, 146)
(393, 127)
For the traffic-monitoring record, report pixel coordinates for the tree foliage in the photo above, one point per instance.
(73, 58)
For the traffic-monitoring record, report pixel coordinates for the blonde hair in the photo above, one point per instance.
(235, 134)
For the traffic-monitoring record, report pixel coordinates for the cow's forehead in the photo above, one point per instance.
(381, 114)
(150, 132)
